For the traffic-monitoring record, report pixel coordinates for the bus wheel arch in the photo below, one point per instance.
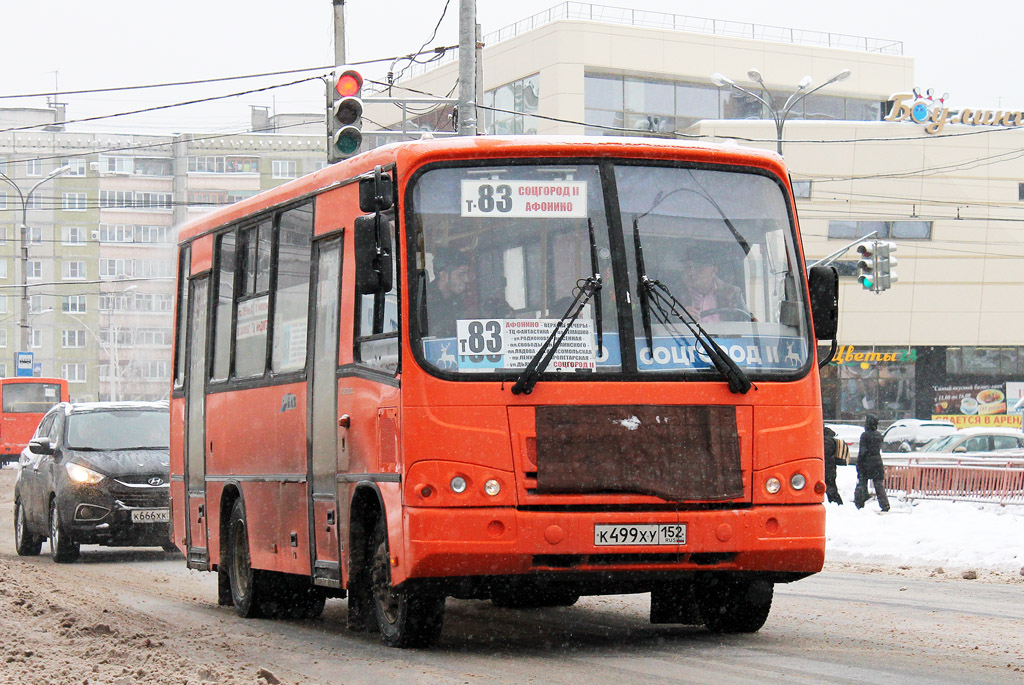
(367, 508)
(249, 587)
(228, 496)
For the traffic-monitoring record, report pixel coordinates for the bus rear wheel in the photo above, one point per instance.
(734, 605)
(248, 585)
(406, 616)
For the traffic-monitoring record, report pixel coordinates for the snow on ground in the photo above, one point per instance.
(923, 532)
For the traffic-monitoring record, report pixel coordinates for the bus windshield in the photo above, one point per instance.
(501, 251)
(30, 398)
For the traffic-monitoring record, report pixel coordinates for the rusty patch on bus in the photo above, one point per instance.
(675, 452)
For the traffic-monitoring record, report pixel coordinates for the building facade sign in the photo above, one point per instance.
(933, 113)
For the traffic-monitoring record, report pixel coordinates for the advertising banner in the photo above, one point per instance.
(973, 404)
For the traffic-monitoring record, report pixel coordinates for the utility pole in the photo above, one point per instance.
(339, 32)
(467, 68)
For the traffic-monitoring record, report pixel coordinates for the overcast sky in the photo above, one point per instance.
(968, 50)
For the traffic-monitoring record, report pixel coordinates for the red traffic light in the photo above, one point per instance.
(349, 83)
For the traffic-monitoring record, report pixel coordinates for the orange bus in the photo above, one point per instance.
(520, 369)
(23, 401)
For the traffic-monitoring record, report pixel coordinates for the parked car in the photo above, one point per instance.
(976, 440)
(95, 473)
(910, 435)
(850, 434)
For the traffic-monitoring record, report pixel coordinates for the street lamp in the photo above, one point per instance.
(24, 198)
(778, 115)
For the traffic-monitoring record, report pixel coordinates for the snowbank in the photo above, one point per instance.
(923, 532)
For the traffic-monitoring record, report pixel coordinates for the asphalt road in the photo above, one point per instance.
(833, 627)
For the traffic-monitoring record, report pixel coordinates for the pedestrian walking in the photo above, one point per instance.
(869, 466)
(831, 454)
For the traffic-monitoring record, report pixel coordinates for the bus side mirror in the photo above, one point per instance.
(376, 193)
(823, 283)
(373, 255)
(40, 446)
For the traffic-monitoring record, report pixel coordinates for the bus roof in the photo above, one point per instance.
(409, 154)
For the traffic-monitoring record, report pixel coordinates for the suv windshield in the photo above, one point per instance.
(498, 253)
(121, 429)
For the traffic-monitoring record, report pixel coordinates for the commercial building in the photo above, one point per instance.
(948, 338)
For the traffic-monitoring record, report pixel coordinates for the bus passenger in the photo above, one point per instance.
(452, 293)
(696, 284)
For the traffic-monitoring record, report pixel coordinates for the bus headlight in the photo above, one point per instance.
(773, 485)
(798, 481)
(492, 487)
(458, 484)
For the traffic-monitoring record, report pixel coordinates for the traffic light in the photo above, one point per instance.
(345, 114)
(885, 261)
(867, 265)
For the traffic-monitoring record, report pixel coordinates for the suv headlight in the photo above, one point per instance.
(81, 475)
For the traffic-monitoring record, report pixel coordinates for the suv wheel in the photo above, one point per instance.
(62, 548)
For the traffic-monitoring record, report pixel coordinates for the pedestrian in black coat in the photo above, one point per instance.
(831, 491)
(870, 466)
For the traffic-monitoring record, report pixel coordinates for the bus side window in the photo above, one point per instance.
(291, 295)
(184, 267)
(253, 304)
(381, 351)
(222, 308)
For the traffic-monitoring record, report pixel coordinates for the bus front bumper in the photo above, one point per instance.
(452, 542)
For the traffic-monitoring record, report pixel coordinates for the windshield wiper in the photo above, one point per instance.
(586, 288)
(656, 292)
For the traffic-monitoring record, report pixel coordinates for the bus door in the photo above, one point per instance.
(326, 501)
(198, 555)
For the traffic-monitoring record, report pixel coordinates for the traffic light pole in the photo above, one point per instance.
(467, 68)
(825, 261)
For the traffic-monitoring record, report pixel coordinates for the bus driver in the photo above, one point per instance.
(696, 284)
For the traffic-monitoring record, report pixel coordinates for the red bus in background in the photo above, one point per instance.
(23, 401)
(516, 369)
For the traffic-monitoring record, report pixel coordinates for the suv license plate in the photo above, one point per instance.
(640, 534)
(151, 515)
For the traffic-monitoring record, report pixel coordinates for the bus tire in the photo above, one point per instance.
(28, 544)
(406, 616)
(248, 585)
(734, 605)
(63, 549)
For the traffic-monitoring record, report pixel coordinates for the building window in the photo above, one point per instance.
(152, 302)
(153, 337)
(73, 373)
(155, 370)
(72, 338)
(74, 202)
(113, 303)
(35, 235)
(802, 189)
(3, 339)
(116, 233)
(72, 235)
(33, 201)
(904, 230)
(116, 198)
(73, 304)
(33, 167)
(115, 268)
(153, 166)
(3, 269)
(153, 268)
(512, 104)
(153, 234)
(34, 269)
(77, 165)
(223, 165)
(35, 338)
(284, 168)
(153, 200)
(117, 164)
(3, 304)
(35, 304)
(72, 271)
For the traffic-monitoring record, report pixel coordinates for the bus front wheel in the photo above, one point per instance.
(406, 616)
(734, 605)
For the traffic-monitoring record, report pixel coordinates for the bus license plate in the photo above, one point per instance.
(640, 534)
(151, 515)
